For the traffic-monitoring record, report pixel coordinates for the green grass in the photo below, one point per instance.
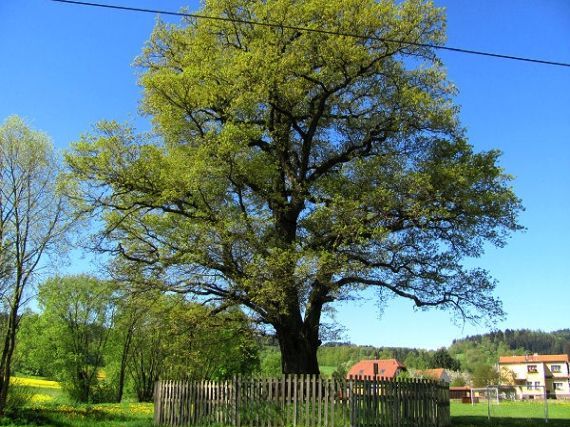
(101, 415)
(49, 406)
(511, 414)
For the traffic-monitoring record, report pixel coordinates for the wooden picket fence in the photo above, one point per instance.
(302, 400)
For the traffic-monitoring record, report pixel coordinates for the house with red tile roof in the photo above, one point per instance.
(533, 376)
(438, 374)
(376, 369)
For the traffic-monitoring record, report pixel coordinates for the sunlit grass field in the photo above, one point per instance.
(507, 414)
(35, 382)
(49, 406)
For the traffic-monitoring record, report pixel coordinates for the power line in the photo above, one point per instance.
(316, 30)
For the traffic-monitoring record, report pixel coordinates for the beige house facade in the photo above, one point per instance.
(533, 376)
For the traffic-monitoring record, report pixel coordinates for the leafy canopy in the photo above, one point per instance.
(290, 169)
(77, 319)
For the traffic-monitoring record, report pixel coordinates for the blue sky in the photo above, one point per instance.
(65, 67)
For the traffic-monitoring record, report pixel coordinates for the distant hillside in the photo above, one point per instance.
(486, 349)
(339, 357)
(556, 342)
(334, 354)
(343, 355)
(470, 352)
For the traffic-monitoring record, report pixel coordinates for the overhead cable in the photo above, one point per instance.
(317, 30)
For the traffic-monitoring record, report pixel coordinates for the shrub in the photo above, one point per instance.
(18, 397)
(104, 392)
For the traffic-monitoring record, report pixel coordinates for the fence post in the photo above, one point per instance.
(289, 400)
(307, 400)
(320, 397)
(157, 408)
(295, 400)
(326, 402)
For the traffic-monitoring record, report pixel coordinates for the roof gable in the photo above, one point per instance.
(536, 358)
(436, 374)
(387, 368)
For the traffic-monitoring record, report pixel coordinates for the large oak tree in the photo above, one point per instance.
(289, 169)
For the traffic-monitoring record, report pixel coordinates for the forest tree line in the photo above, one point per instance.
(475, 356)
(555, 342)
(103, 342)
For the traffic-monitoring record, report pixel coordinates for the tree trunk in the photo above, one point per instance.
(8, 349)
(6, 363)
(298, 338)
(124, 359)
(298, 342)
(85, 388)
(298, 354)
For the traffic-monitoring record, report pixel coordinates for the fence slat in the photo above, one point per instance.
(326, 402)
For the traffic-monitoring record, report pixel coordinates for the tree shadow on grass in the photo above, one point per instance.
(58, 417)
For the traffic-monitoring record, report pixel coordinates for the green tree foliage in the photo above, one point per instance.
(336, 355)
(80, 338)
(129, 311)
(484, 352)
(341, 371)
(413, 358)
(34, 354)
(418, 360)
(458, 381)
(555, 342)
(79, 313)
(33, 224)
(177, 339)
(442, 359)
(270, 362)
(294, 168)
(485, 375)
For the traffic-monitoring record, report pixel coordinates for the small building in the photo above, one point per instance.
(462, 393)
(438, 374)
(534, 376)
(376, 369)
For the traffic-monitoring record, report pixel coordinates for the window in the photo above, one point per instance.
(556, 368)
(537, 384)
(558, 386)
(529, 385)
(532, 369)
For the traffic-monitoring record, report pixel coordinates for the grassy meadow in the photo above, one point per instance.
(44, 403)
(507, 414)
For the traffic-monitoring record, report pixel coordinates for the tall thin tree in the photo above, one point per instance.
(33, 221)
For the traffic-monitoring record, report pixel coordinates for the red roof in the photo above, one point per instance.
(386, 368)
(436, 374)
(534, 358)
